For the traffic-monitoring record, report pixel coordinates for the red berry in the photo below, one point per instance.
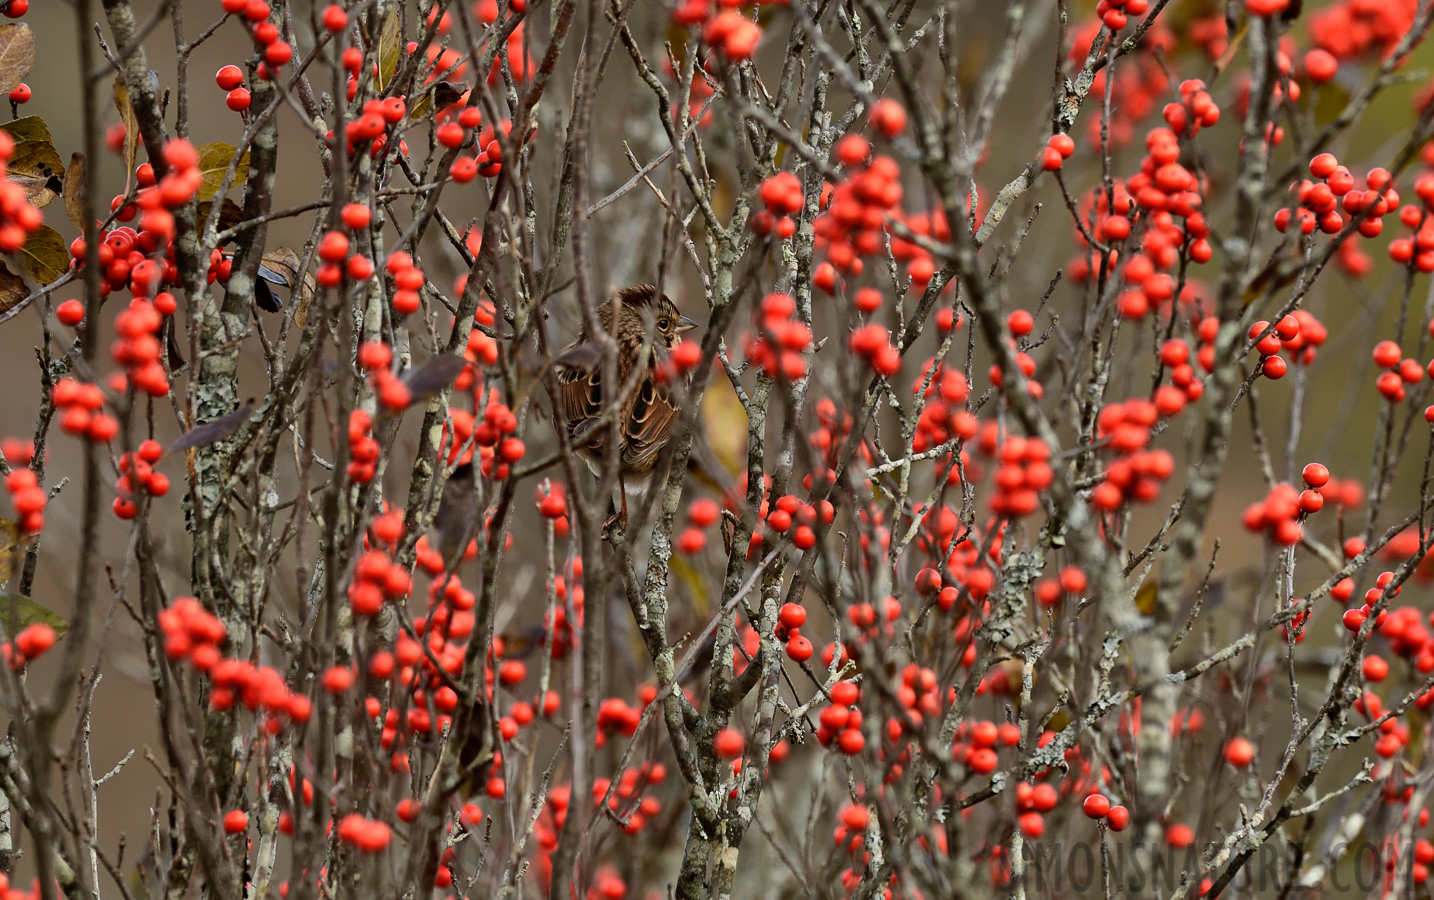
(1118, 818)
(1387, 354)
(1239, 752)
(1095, 806)
(729, 743)
(70, 313)
(20, 94)
(16, 8)
(235, 821)
(1315, 475)
(335, 19)
(238, 100)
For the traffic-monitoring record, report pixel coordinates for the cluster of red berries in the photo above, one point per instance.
(258, 688)
(1398, 371)
(552, 500)
(1116, 13)
(852, 224)
(137, 474)
(277, 53)
(231, 79)
(376, 358)
(6, 891)
(363, 447)
(841, 721)
(137, 346)
(701, 514)
(1280, 513)
(1194, 110)
(792, 510)
(376, 117)
(191, 632)
(781, 339)
(1136, 473)
(80, 404)
(1354, 28)
(365, 835)
(376, 578)
(1059, 148)
(30, 644)
(1070, 582)
(1023, 473)
(872, 342)
(782, 196)
(28, 498)
(1319, 201)
(944, 414)
(977, 744)
(124, 257)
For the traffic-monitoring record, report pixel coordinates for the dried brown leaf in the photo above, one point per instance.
(36, 166)
(12, 289)
(17, 55)
(75, 190)
(130, 120)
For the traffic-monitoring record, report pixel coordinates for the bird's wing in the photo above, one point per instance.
(649, 423)
(580, 402)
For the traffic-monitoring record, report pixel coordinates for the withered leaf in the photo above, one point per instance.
(29, 128)
(130, 121)
(457, 516)
(9, 542)
(440, 96)
(19, 611)
(428, 379)
(390, 41)
(17, 55)
(230, 214)
(212, 432)
(281, 266)
(13, 292)
(46, 254)
(214, 160)
(75, 190)
(36, 166)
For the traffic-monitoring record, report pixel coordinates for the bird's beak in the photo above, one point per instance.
(685, 324)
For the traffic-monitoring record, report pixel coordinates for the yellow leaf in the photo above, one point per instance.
(214, 160)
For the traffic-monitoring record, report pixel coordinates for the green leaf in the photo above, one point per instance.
(30, 128)
(389, 43)
(46, 254)
(36, 166)
(20, 611)
(214, 162)
(17, 55)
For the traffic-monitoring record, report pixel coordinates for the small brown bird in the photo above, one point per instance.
(648, 412)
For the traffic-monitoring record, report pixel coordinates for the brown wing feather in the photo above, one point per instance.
(580, 398)
(649, 424)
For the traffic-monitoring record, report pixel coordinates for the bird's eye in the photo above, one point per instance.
(664, 324)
